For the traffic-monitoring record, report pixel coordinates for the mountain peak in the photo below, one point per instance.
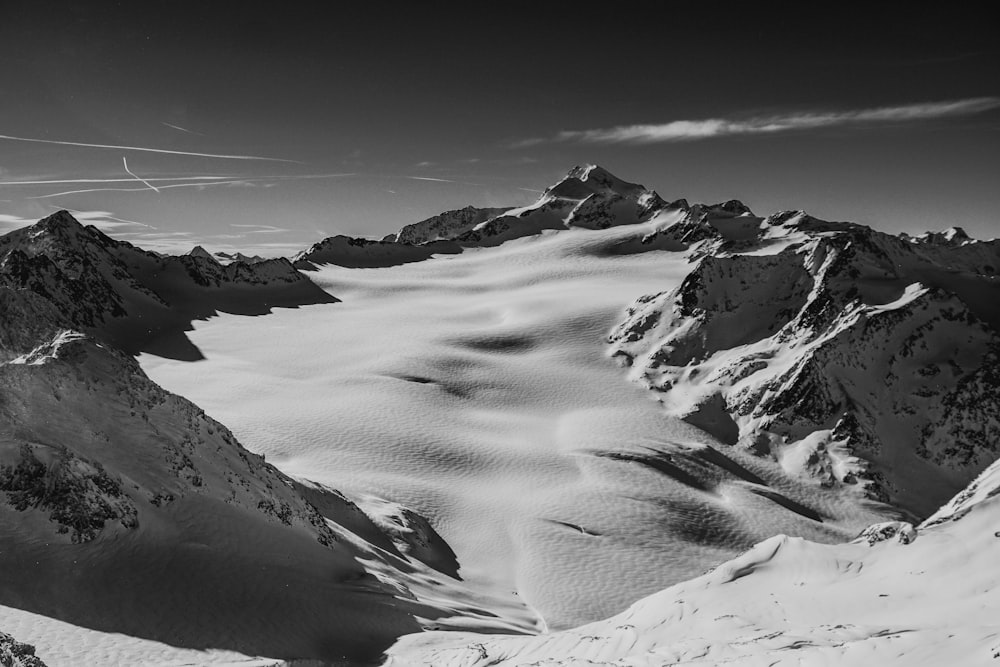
(199, 251)
(584, 180)
(60, 223)
(59, 219)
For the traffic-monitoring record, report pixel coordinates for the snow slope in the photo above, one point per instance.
(787, 601)
(134, 512)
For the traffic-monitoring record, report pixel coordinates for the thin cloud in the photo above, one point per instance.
(15, 221)
(261, 229)
(693, 130)
(102, 219)
(146, 150)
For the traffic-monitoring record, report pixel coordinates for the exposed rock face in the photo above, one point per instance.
(848, 355)
(356, 253)
(902, 531)
(17, 654)
(445, 225)
(73, 469)
(58, 274)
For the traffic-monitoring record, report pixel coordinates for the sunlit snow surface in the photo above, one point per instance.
(477, 390)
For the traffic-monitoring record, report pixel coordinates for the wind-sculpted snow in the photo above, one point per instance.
(785, 602)
(474, 390)
(849, 356)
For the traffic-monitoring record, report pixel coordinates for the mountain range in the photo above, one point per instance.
(812, 378)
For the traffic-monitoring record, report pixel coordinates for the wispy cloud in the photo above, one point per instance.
(693, 130)
(145, 149)
(9, 222)
(261, 229)
(106, 220)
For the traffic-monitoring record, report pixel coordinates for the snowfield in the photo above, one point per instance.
(477, 390)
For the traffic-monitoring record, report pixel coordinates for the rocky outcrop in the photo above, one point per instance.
(60, 274)
(443, 226)
(850, 356)
(902, 531)
(17, 654)
(357, 253)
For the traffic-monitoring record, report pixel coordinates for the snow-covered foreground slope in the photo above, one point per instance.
(128, 510)
(476, 390)
(933, 601)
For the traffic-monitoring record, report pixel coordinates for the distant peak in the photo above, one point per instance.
(953, 236)
(199, 251)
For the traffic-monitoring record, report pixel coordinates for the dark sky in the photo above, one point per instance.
(889, 117)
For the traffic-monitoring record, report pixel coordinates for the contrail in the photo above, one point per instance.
(428, 178)
(229, 180)
(68, 181)
(178, 127)
(146, 150)
(127, 171)
(162, 187)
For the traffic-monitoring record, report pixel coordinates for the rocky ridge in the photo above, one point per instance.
(58, 274)
(851, 356)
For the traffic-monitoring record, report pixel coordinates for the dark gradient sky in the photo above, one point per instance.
(369, 100)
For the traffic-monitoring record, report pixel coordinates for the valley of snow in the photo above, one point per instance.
(477, 390)
(504, 422)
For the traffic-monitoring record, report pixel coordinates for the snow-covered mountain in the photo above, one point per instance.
(810, 377)
(355, 253)
(128, 509)
(848, 355)
(443, 226)
(59, 274)
(589, 197)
